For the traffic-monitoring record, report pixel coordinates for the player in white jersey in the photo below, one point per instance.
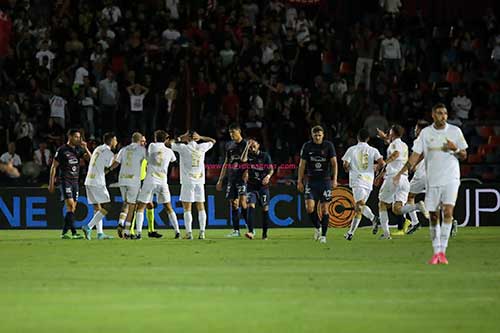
(393, 195)
(417, 183)
(442, 145)
(95, 184)
(129, 179)
(192, 170)
(156, 181)
(359, 161)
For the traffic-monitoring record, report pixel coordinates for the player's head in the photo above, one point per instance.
(439, 114)
(363, 135)
(235, 132)
(254, 146)
(317, 134)
(110, 139)
(143, 141)
(160, 136)
(421, 124)
(396, 132)
(74, 137)
(136, 137)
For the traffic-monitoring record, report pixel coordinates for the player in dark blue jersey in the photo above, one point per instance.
(257, 177)
(233, 169)
(318, 162)
(66, 166)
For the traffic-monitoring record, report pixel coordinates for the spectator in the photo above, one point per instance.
(11, 156)
(58, 108)
(227, 54)
(43, 158)
(80, 73)
(108, 98)
(391, 7)
(365, 46)
(87, 97)
(231, 104)
(45, 53)
(24, 133)
(111, 13)
(461, 105)
(137, 94)
(170, 97)
(390, 54)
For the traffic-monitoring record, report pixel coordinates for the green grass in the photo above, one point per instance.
(287, 284)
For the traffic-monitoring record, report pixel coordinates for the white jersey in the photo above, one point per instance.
(441, 167)
(102, 158)
(361, 158)
(130, 158)
(393, 168)
(192, 161)
(159, 157)
(420, 169)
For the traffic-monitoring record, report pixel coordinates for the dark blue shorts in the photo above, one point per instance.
(68, 191)
(234, 190)
(318, 190)
(258, 194)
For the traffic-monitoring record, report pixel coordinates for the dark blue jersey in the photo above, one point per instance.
(235, 167)
(317, 157)
(258, 167)
(69, 163)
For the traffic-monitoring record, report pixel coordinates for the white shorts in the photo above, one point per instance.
(360, 193)
(129, 193)
(390, 193)
(97, 194)
(418, 185)
(192, 193)
(437, 195)
(148, 190)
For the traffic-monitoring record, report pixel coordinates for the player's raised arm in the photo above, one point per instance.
(87, 154)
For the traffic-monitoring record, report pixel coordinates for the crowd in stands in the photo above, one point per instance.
(276, 67)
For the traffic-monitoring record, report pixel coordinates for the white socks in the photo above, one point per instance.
(354, 225)
(139, 221)
(122, 218)
(384, 221)
(408, 208)
(95, 220)
(445, 235)
(202, 218)
(436, 237)
(188, 221)
(367, 212)
(414, 218)
(172, 217)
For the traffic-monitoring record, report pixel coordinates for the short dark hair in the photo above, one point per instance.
(398, 130)
(72, 131)
(438, 106)
(363, 135)
(422, 123)
(161, 136)
(108, 137)
(317, 129)
(234, 127)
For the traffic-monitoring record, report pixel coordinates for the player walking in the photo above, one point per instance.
(318, 161)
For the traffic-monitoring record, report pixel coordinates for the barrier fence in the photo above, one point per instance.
(35, 208)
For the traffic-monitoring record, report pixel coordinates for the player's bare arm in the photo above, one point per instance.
(223, 171)
(300, 179)
(53, 171)
(335, 170)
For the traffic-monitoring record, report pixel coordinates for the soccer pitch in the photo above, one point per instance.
(286, 284)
